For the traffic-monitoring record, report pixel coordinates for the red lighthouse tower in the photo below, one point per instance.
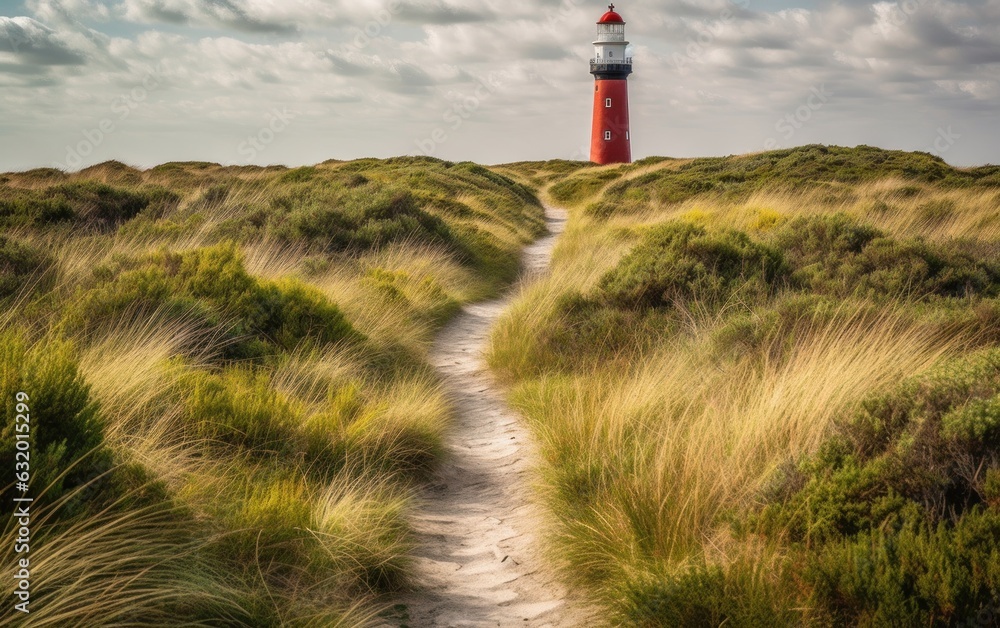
(611, 141)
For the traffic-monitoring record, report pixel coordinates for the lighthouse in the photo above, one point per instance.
(611, 141)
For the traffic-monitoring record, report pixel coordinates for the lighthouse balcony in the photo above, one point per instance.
(611, 66)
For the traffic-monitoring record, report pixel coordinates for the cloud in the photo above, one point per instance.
(369, 75)
(431, 13)
(237, 15)
(32, 43)
(69, 11)
(285, 18)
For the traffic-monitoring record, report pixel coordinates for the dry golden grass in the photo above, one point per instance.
(112, 567)
(900, 208)
(132, 372)
(241, 537)
(647, 461)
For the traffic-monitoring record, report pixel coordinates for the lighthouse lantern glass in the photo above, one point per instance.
(611, 32)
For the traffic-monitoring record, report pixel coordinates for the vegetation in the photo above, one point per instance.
(827, 168)
(766, 387)
(229, 393)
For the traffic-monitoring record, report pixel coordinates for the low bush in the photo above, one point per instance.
(28, 209)
(66, 431)
(87, 204)
(704, 595)
(930, 442)
(583, 186)
(211, 288)
(804, 167)
(22, 267)
(360, 220)
(918, 574)
(836, 256)
(238, 409)
(585, 329)
(680, 263)
(895, 517)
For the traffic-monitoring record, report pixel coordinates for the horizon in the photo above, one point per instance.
(246, 82)
(147, 168)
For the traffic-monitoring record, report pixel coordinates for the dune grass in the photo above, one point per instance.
(764, 388)
(233, 401)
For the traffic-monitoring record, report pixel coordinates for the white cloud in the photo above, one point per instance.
(30, 43)
(372, 76)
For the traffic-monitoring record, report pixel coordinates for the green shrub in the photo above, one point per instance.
(238, 409)
(583, 186)
(298, 175)
(88, 204)
(737, 177)
(808, 241)
(21, 267)
(703, 595)
(917, 575)
(679, 263)
(924, 447)
(67, 438)
(585, 329)
(360, 220)
(269, 530)
(211, 288)
(769, 331)
(101, 205)
(28, 209)
(835, 255)
(894, 520)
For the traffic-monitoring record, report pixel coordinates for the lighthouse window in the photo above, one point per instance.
(607, 103)
(607, 136)
(627, 135)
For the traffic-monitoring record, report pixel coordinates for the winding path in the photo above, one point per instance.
(478, 562)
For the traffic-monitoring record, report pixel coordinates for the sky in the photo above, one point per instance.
(494, 81)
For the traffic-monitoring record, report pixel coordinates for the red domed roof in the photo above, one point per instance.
(611, 17)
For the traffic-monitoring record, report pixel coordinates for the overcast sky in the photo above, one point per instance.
(279, 81)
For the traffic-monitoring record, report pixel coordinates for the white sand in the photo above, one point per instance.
(479, 561)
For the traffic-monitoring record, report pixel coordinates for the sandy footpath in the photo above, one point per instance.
(478, 561)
